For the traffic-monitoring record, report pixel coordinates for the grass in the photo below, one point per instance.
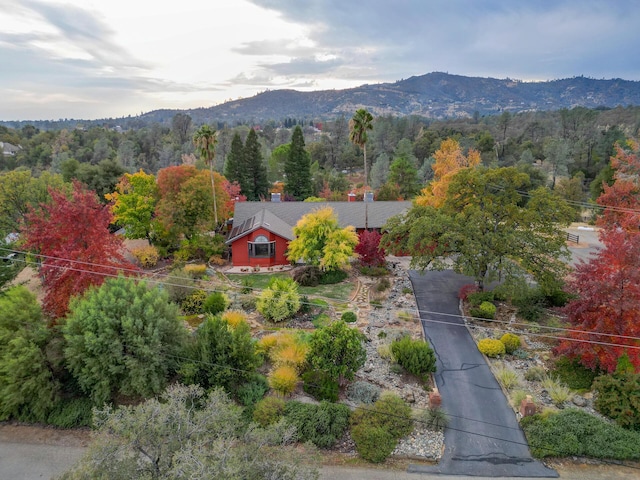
(508, 377)
(337, 291)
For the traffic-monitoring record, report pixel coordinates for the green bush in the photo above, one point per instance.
(321, 320)
(619, 398)
(251, 392)
(280, 300)
(268, 411)
(572, 432)
(179, 285)
(376, 429)
(363, 392)
(415, 356)
(76, 412)
(573, 374)
(531, 305)
(215, 303)
(475, 299)
(373, 271)
(349, 317)
(491, 347)
(320, 386)
(193, 304)
(320, 424)
(485, 310)
(535, 374)
(373, 443)
(333, 276)
(435, 418)
(511, 342)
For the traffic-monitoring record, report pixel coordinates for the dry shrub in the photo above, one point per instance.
(234, 317)
(195, 270)
(283, 380)
(147, 257)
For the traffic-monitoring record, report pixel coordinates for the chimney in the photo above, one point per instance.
(275, 197)
(351, 197)
(368, 197)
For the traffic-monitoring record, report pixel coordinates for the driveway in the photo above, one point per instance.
(483, 437)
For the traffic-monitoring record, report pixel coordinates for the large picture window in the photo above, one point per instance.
(261, 247)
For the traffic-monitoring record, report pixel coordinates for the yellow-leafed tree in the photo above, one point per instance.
(449, 160)
(321, 242)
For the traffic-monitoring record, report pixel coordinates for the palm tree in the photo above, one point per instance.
(205, 141)
(358, 126)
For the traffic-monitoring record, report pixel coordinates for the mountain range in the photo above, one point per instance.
(434, 95)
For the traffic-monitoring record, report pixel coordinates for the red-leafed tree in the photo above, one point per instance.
(623, 197)
(369, 249)
(607, 304)
(72, 235)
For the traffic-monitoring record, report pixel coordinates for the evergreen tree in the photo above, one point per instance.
(380, 171)
(298, 168)
(255, 171)
(233, 168)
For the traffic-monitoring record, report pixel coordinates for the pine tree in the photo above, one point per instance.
(255, 171)
(298, 168)
(233, 170)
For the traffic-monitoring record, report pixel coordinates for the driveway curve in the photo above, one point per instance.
(483, 437)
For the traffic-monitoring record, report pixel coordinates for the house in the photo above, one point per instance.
(261, 231)
(8, 149)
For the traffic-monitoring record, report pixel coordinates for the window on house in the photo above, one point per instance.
(261, 247)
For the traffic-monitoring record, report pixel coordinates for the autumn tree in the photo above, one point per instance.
(297, 168)
(605, 315)
(369, 249)
(71, 235)
(134, 203)
(321, 242)
(449, 160)
(486, 226)
(121, 340)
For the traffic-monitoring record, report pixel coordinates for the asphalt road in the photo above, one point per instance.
(483, 437)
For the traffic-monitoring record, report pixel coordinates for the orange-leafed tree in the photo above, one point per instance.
(449, 160)
(605, 314)
(77, 250)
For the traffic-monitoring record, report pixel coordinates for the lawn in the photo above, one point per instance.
(337, 291)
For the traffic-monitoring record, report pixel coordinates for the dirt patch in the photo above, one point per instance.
(44, 435)
(31, 280)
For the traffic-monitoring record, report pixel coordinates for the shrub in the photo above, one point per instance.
(573, 374)
(320, 424)
(435, 418)
(76, 412)
(268, 411)
(531, 305)
(385, 352)
(535, 374)
(467, 289)
(485, 310)
(307, 276)
(619, 398)
(283, 380)
(511, 342)
(293, 355)
(407, 290)
(251, 392)
(478, 298)
(376, 429)
(179, 285)
(216, 302)
(321, 320)
(517, 396)
(383, 284)
(373, 271)
(248, 302)
(507, 376)
(195, 270)
(333, 276)
(280, 300)
(194, 302)
(491, 347)
(147, 257)
(320, 386)
(363, 392)
(415, 356)
(247, 286)
(349, 317)
(572, 432)
(267, 343)
(559, 394)
(234, 317)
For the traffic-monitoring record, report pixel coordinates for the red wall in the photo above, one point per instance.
(240, 250)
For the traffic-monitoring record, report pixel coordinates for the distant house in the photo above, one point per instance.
(9, 149)
(261, 231)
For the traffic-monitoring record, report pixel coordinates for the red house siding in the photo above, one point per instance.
(240, 250)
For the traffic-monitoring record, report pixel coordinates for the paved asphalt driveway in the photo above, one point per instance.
(483, 437)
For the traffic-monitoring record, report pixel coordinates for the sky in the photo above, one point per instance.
(86, 59)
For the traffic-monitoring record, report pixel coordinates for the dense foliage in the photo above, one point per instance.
(280, 300)
(415, 356)
(337, 350)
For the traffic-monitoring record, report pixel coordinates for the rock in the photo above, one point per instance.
(579, 401)
(409, 397)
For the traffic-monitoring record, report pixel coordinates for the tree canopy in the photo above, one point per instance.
(297, 168)
(487, 225)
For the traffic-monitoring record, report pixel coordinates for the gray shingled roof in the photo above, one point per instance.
(263, 218)
(288, 213)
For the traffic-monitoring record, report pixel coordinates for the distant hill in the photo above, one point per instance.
(434, 95)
